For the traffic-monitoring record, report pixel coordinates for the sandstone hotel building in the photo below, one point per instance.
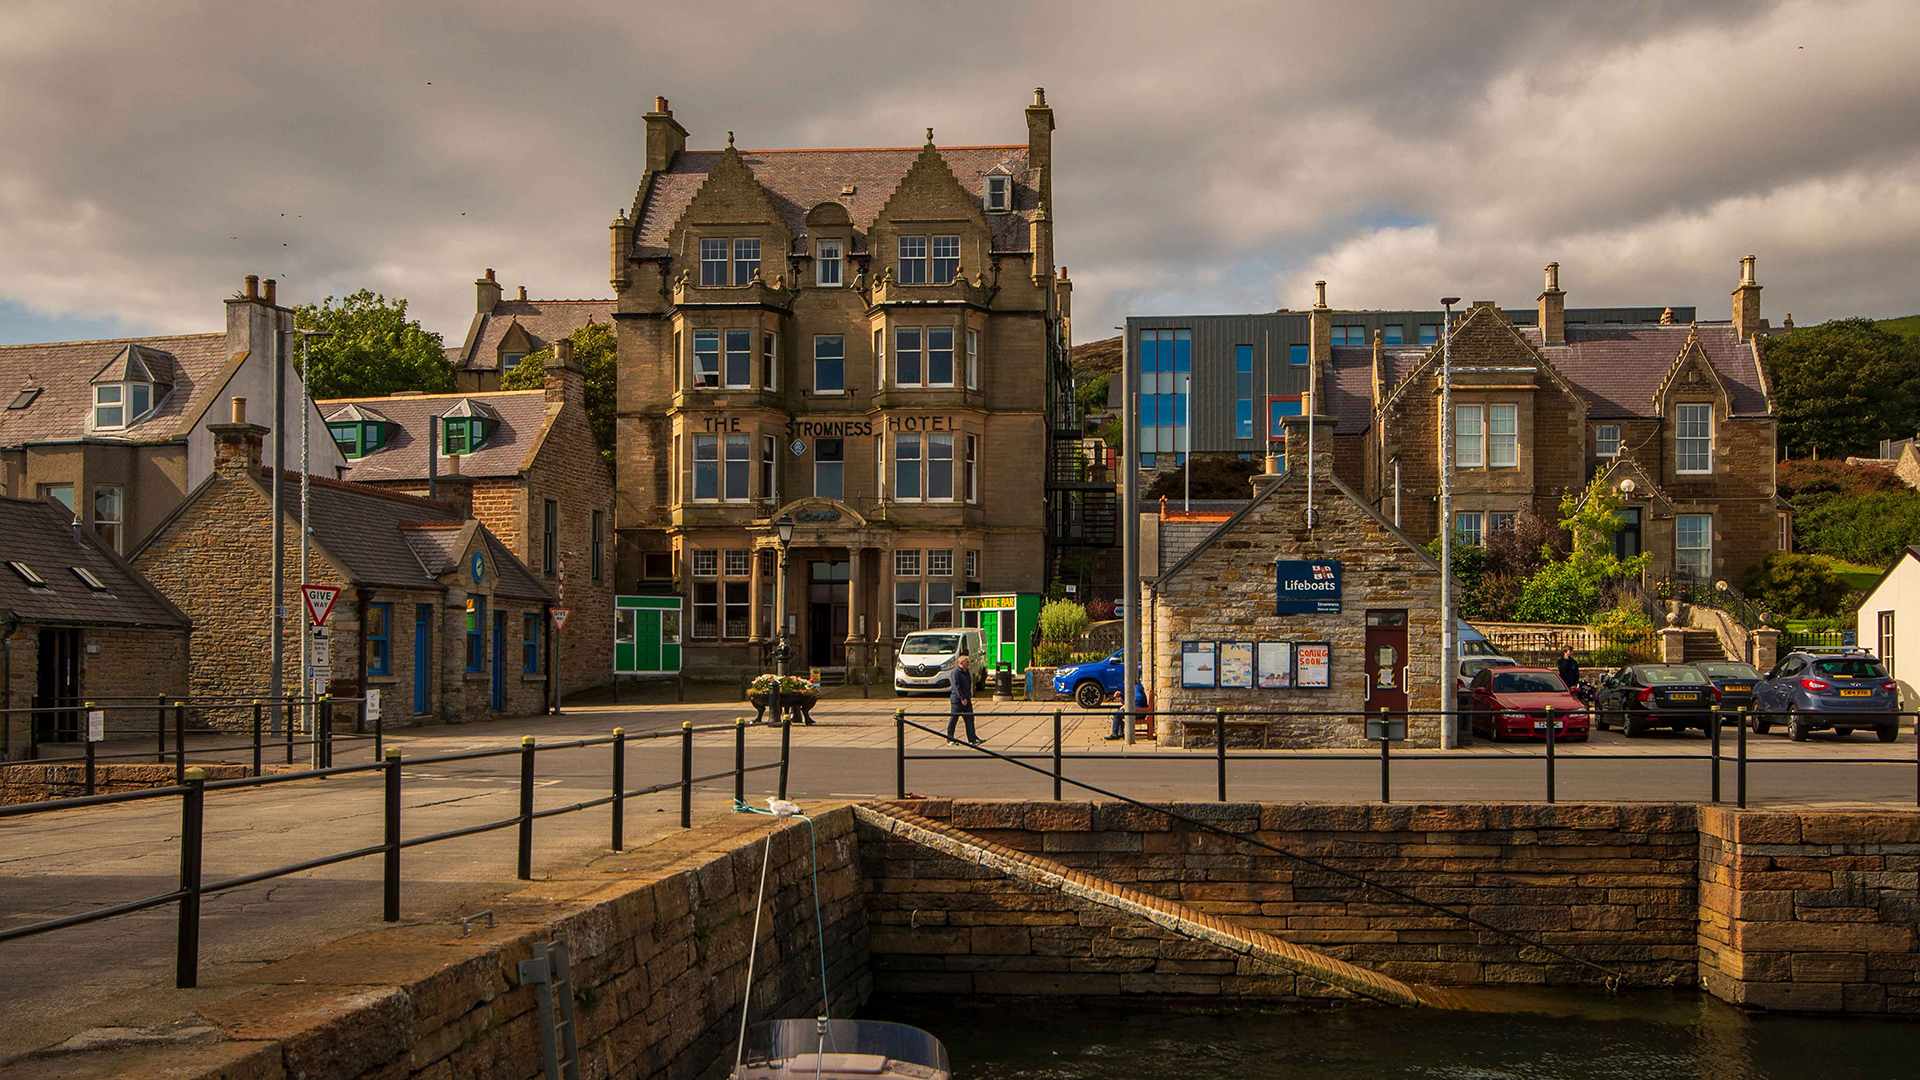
(868, 340)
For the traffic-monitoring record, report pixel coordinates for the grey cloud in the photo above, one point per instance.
(1210, 157)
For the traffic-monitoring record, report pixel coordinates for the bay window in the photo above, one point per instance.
(973, 359)
(972, 478)
(706, 467)
(940, 356)
(739, 370)
(769, 458)
(706, 359)
(906, 468)
(769, 360)
(906, 356)
(739, 450)
(940, 467)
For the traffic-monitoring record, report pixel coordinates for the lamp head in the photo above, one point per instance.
(784, 529)
(1449, 301)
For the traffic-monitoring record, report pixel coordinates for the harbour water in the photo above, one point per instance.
(1562, 1035)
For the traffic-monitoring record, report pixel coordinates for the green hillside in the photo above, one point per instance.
(1908, 326)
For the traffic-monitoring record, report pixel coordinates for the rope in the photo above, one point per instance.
(819, 922)
(753, 951)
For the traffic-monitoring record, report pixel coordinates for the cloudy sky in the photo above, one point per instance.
(1210, 157)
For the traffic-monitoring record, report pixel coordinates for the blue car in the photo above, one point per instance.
(1842, 690)
(1092, 683)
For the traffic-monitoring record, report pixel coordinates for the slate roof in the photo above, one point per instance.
(799, 180)
(374, 534)
(545, 321)
(1350, 389)
(1619, 368)
(65, 371)
(522, 417)
(41, 536)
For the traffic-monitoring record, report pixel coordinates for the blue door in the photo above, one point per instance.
(499, 661)
(422, 657)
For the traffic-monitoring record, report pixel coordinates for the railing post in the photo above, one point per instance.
(619, 788)
(1056, 755)
(256, 739)
(740, 760)
(285, 725)
(160, 726)
(390, 874)
(193, 817)
(180, 742)
(899, 753)
(1220, 753)
(1386, 759)
(90, 752)
(526, 808)
(379, 729)
(786, 751)
(1550, 760)
(323, 731)
(1715, 732)
(686, 775)
(1740, 761)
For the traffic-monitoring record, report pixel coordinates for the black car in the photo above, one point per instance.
(1810, 690)
(1737, 683)
(1641, 697)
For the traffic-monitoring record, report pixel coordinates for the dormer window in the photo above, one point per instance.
(130, 386)
(999, 194)
(463, 435)
(511, 360)
(358, 438)
(119, 405)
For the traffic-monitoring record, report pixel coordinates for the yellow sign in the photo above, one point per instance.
(975, 603)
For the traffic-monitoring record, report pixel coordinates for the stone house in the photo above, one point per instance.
(871, 341)
(538, 482)
(77, 624)
(1380, 650)
(120, 431)
(505, 331)
(436, 612)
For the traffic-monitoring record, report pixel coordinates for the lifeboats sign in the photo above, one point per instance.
(1307, 587)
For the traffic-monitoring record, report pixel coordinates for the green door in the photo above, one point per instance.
(990, 635)
(647, 641)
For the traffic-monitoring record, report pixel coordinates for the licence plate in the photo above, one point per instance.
(1735, 689)
(1856, 693)
(1683, 697)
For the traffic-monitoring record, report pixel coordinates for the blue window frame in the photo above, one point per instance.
(1243, 391)
(476, 633)
(1297, 355)
(379, 635)
(1277, 409)
(1166, 371)
(530, 643)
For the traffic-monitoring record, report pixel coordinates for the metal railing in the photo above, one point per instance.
(171, 715)
(1713, 760)
(194, 786)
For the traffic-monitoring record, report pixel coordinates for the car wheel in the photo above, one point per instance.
(1761, 725)
(1600, 719)
(1843, 732)
(899, 693)
(1887, 734)
(1630, 729)
(1089, 694)
(1796, 725)
(1493, 728)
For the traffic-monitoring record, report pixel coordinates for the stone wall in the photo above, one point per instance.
(1611, 884)
(40, 781)
(1811, 911)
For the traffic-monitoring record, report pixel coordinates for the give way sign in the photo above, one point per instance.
(560, 617)
(320, 600)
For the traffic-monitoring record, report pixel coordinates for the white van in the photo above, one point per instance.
(927, 658)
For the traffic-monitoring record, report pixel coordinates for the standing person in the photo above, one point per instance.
(1569, 668)
(960, 701)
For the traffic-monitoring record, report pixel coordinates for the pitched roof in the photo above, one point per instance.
(799, 180)
(373, 534)
(545, 322)
(1618, 369)
(522, 415)
(65, 370)
(40, 536)
(1350, 390)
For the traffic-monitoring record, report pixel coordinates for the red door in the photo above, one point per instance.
(1386, 661)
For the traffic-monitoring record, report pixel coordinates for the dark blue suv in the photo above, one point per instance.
(1815, 689)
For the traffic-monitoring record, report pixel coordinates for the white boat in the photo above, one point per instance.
(840, 1050)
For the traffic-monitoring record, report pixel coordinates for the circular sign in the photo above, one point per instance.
(797, 447)
(479, 566)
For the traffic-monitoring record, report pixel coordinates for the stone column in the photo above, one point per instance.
(883, 610)
(856, 606)
(755, 610)
(1673, 642)
(1766, 648)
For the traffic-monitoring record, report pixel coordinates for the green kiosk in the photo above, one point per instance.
(646, 635)
(1007, 622)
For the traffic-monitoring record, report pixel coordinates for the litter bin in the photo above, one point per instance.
(1003, 682)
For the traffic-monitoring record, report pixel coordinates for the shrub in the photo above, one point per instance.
(1520, 547)
(789, 684)
(1859, 528)
(1610, 656)
(1496, 597)
(1100, 610)
(1621, 617)
(1796, 586)
(1571, 590)
(1087, 657)
(1814, 477)
(1062, 621)
(1469, 563)
(1052, 654)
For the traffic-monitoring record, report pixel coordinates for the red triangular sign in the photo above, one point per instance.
(560, 617)
(320, 600)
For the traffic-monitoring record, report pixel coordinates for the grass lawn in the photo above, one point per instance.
(1907, 326)
(1857, 576)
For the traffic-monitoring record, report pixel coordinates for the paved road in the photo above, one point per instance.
(60, 864)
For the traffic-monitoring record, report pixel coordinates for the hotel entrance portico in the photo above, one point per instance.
(853, 588)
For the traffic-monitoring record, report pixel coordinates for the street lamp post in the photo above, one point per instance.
(306, 410)
(783, 532)
(1449, 701)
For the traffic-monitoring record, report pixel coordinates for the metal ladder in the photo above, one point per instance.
(551, 973)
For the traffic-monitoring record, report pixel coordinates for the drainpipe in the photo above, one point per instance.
(361, 598)
(6, 685)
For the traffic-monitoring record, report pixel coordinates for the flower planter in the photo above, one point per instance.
(801, 703)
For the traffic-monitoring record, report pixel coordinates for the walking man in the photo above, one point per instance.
(1569, 668)
(960, 701)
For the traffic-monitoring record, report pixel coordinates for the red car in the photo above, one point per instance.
(1513, 702)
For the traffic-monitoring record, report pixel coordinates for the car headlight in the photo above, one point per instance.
(949, 665)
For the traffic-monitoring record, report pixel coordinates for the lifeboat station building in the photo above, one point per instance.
(1314, 625)
(863, 341)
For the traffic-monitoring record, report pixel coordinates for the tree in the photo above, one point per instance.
(1214, 477)
(1842, 386)
(594, 349)
(375, 349)
(1581, 585)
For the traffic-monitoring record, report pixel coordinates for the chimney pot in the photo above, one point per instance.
(271, 288)
(1039, 95)
(1553, 276)
(1746, 271)
(253, 286)
(1319, 294)
(489, 273)
(660, 105)
(523, 292)
(239, 410)
(1063, 273)
(563, 351)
